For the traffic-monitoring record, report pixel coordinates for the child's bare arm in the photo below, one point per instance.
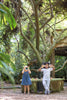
(41, 67)
(22, 71)
(52, 66)
(29, 71)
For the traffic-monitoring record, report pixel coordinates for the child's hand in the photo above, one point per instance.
(25, 69)
(29, 71)
(42, 66)
(22, 71)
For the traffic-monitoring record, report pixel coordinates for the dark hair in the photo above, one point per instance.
(28, 64)
(45, 63)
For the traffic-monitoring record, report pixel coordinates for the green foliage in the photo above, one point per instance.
(58, 64)
(5, 66)
(34, 73)
(59, 61)
(30, 33)
(2, 11)
(6, 16)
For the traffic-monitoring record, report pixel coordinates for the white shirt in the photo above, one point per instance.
(46, 73)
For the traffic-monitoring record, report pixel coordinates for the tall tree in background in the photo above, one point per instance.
(42, 17)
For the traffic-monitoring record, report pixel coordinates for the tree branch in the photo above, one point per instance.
(26, 14)
(55, 26)
(42, 40)
(35, 70)
(46, 22)
(62, 66)
(38, 2)
(18, 7)
(44, 11)
(59, 41)
(37, 25)
(21, 51)
(51, 8)
(32, 46)
(17, 42)
(51, 16)
(24, 54)
(58, 38)
(59, 21)
(50, 27)
(32, 4)
(55, 44)
(29, 18)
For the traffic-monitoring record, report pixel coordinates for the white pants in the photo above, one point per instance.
(46, 84)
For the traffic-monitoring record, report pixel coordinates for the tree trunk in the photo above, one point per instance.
(52, 57)
(31, 45)
(53, 61)
(37, 28)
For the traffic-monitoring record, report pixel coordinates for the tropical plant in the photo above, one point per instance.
(6, 66)
(6, 17)
(61, 69)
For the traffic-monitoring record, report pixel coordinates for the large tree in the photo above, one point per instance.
(41, 18)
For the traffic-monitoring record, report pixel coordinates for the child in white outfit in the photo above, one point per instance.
(46, 69)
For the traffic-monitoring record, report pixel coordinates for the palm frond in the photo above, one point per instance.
(2, 11)
(4, 66)
(4, 57)
(7, 16)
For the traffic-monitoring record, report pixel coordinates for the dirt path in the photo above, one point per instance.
(15, 94)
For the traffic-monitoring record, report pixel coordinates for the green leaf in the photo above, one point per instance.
(2, 11)
(6, 70)
(8, 16)
(6, 66)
